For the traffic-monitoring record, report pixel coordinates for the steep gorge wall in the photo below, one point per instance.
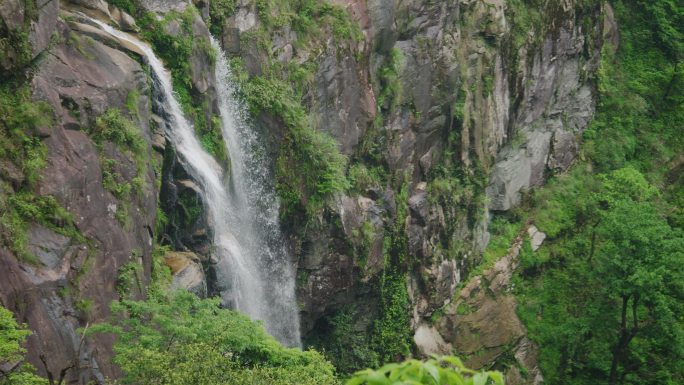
(446, 111)
(450, 110)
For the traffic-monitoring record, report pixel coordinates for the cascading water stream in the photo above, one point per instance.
(256, 214)
(254, 268)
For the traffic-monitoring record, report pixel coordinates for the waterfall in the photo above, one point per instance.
(255, 220)
(254, 269)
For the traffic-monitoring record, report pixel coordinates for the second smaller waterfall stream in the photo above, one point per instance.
(255, 270)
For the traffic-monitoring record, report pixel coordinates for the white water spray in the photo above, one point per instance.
(254, 267)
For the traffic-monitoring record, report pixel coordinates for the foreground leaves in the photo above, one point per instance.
(445, 370)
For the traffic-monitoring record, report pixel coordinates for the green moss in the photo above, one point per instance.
(132, 7)
(219, 11)
(365, 237)
(81, 44)
(22, 150)
(114, 127)
(309, 168)
(132, 102)
(391, 92)
(463, 309)
(302, 277)
(129, 278)
(525, 17)
(16, 53)
(192, 207)
(363, 179)
(24, 208)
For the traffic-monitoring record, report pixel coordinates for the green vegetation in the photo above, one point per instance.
(391, 93)
(131, 7)
(311, 19)
(458, 189)
(603, 296)
(386, 337)
(626, 312)
(15, 48)
(181, 339)
(219, 11)
(128, 279)
(309, 167)
(180, 51)
(20, 120)
(14, 370)
(345, 343)
(503, 233)
(80, 44)
(365, 237)
(160, 274)
(392, 330)
(185, 340)
(113, 127)
(177, 52)
(363, 178)
(132, 100)
(445, 370)
(525, 16)
(22, 156)
(24, 208)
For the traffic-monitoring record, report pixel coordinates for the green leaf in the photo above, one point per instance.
(497, 377)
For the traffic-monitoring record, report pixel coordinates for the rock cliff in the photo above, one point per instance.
(446, 110)
(451, 110)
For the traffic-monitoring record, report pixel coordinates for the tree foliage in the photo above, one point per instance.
(603, 297)
(186, 340)
(623, 323)
(436, 371)
(13, 370)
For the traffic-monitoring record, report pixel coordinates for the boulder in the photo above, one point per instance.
(536, 237)
(429, 341)
(187, 272)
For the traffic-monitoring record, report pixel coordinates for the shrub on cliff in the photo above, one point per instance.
(13, 370)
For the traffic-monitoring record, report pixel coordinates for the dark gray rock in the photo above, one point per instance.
(47, 245)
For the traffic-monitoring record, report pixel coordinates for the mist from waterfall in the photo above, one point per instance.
(254, 272)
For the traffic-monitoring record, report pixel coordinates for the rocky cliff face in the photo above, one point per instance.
(108, 186)
(465, 105)
(447, 111)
